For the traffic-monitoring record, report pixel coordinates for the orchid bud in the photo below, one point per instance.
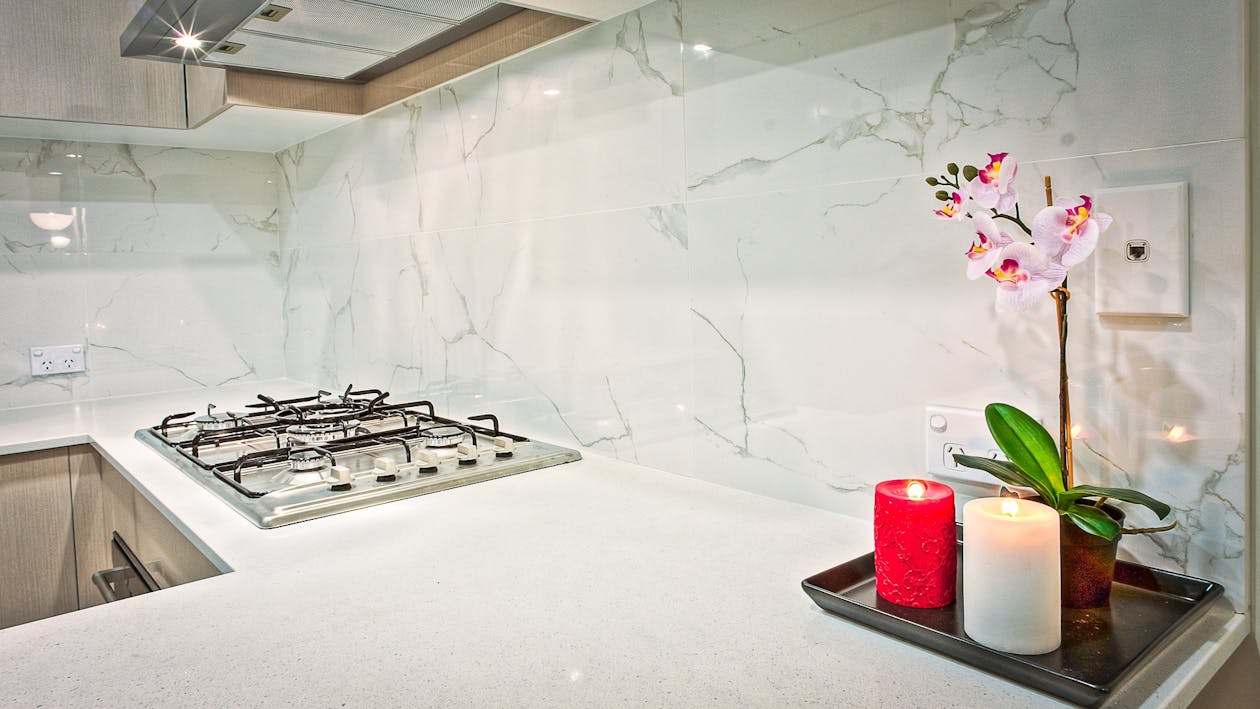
(933, 181)
(952, 168)
(942, 195)
(970, 172)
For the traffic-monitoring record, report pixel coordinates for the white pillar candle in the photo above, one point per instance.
(1011, 575)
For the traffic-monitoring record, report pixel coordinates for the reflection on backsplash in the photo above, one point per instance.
(163, 261)
(719, 261)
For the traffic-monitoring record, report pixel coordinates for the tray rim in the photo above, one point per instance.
(1008, 666)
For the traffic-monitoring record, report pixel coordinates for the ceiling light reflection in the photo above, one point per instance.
(51, 221)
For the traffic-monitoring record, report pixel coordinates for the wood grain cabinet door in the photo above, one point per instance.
(37, 567)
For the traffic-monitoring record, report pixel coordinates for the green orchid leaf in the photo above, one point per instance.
(1093, 520)
(1027, 444)
(1119, 493)
(1007, 472)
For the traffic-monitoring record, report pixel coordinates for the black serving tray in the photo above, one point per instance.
(1101, 647)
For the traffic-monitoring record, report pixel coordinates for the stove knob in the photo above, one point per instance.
(467, 453)
(427, 461)
(341, 478)
(503, 447)
(386, 470)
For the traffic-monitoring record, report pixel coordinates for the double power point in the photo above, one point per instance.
(57, 359)
(950, 430)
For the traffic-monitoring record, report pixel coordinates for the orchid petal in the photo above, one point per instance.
(1006, 201)
(1007, 174)
(1069, 230)
(1104, 221)
(1023, 274)
(1079, 248)
(1046, 229)
(954, 208)
(985, 195)
(986, 247)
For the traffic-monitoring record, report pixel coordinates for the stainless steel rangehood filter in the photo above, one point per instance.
(353, 40)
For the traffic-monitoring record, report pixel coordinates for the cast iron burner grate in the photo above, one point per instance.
(280, 461)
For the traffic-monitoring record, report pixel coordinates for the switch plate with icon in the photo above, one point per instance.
(1142, 262)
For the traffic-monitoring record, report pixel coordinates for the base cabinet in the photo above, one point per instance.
(36, 537)
(59, 510)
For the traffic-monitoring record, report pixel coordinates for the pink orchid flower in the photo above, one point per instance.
(953, 209)
(992, 187)
(988, 245)
(1069, 230)
(1024, 274)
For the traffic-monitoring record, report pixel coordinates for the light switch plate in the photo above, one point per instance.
(1142, 262)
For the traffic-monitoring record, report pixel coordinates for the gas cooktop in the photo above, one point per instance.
(280, 461)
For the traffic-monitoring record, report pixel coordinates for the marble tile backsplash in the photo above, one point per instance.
(721, 262)
(169, 271)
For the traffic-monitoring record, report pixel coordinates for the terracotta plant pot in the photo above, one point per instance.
(1087, 563)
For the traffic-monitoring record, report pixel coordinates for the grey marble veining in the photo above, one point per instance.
(168, 272)
(719, 262)
(722, 261)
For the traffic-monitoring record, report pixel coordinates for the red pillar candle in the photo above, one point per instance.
(916, 562)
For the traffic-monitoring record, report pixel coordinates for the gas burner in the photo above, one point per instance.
(222, 421)
(321, 413)
(307, 466)
(290, 460)
(310, 433)
(442, 436)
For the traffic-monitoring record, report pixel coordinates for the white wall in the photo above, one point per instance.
(722, 263)
(170, 278)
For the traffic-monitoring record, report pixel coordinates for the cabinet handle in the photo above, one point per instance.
(103, 579)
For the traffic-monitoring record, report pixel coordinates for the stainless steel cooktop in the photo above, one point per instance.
(283, 461)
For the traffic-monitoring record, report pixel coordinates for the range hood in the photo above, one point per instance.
(354, 40)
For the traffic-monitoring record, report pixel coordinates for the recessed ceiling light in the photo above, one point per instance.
(702, 47)
(551, 92)
(187, 41)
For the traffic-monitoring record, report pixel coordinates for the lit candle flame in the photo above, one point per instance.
(915, 490)
(1176, 433)
(1010, 507)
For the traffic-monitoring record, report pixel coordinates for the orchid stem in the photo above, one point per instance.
(1014, 218)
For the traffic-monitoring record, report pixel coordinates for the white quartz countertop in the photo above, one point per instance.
(596, 583)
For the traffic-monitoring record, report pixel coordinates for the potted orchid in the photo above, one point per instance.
(1063, 235)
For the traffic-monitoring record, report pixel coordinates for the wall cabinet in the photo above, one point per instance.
(58, 511)
(60, 61)
(62, 78)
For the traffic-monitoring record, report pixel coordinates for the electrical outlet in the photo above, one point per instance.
(57, 359)
(953, 430)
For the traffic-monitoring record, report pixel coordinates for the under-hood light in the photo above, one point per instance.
(188, 41)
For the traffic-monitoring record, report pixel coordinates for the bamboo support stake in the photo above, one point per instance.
(1061, 296)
